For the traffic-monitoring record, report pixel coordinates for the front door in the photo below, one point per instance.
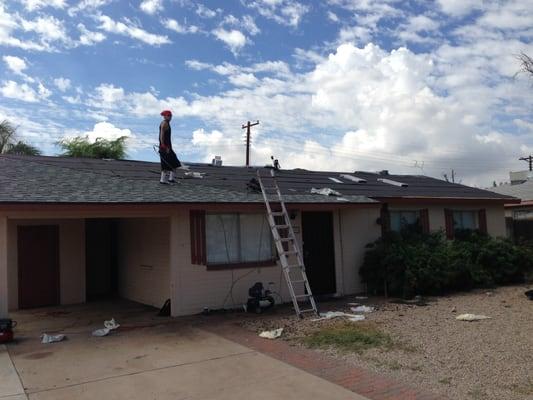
(38, 266)
(319, 252)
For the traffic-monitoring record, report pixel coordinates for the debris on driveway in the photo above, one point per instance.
(273, 334)
(471, 317)
(363, 309)
(337, 314)
(108, 327)
(46, 338)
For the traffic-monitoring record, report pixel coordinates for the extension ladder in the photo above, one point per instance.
(286, 245)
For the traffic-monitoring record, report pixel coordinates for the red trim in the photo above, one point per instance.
(482, 221)
(442, 200)
(251, 264)
(424, 220)
(385, 219)
(448, 218)
(197, 226)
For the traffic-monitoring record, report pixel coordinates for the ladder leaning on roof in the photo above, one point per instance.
(286, 244)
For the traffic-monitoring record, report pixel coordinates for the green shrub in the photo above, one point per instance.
(413, 263)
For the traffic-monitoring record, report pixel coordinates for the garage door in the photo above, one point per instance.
(38, 265)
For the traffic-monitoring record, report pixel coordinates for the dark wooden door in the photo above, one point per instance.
(319, 251)
(38, 265)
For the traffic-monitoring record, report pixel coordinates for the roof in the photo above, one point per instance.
(43, 179)
(523, 191)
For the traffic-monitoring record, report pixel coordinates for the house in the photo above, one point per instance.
(73, 230)
(518, 215)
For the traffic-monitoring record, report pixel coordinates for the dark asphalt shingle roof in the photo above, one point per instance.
(74, 180)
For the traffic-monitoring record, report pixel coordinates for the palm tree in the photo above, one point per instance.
(7, 133)
(8, 145)
(101, 148)
(21, 148)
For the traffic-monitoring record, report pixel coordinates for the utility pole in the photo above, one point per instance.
(248, 133)
(529, 160)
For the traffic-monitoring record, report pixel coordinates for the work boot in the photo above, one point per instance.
(164, 178)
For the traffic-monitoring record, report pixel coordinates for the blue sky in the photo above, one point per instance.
(416, 87)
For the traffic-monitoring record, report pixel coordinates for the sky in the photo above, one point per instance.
(412, 86)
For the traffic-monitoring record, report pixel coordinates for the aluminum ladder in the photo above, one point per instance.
(286, 245)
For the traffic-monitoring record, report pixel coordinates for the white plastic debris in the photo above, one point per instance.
(273, 334)
(108, 327)
(342, 199)
(45, 338)
(337, 314)
(101, 332)
(471, 317)
(363, 309)
(325, 192)
(197, 175)
(111, 324)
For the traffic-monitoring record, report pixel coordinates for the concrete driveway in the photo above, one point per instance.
(148, 358)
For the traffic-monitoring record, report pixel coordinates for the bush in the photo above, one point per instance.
(409, 263)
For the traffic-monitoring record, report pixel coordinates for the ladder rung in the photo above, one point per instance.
(282, 226)
(270, 187)
(302, 281)
(308, 310)
(299, 296)
(293, 266)
(285, 253)
(277, 213)
(288, 239)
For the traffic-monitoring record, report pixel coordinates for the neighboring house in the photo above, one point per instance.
(519, 216)
(72, 230)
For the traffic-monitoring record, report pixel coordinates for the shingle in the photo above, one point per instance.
(62, 179)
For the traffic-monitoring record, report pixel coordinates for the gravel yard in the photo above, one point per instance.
(488, 359)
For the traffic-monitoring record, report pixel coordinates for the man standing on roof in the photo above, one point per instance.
(169, 160)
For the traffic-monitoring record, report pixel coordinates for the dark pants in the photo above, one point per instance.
(169, 161)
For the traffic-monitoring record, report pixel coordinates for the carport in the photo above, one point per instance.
(72, 255)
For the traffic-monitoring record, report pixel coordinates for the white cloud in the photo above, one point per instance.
(107, 96)
(129, 29)
(245, 79)
(205, 12)
(108, 131)
(151, 6)
(246, 22)
(332, 16)
(459, 7)
(175, 26)
(234, 39)
(32, 5)
(87, 5)
(49, 29)
(22, 92)
(8, 24)
(285, 12)
(89, 38)
(15, 64)
(44, 93)
(62, 84)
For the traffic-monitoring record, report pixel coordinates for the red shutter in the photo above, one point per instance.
(424, 220)
(482, 221)
(198, 247)
(385, 219)
(448, 218)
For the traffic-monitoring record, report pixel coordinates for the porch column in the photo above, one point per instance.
(3, 268)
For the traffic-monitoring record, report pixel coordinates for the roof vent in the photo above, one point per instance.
(353, 178)
(384, 172)
(217, 161)
(391, 182)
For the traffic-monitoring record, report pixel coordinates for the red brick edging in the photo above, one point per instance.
(358, 380)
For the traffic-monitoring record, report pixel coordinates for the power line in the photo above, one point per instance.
(529, 160)
(248, 133)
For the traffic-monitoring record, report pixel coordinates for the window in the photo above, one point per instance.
(400, 220)
(465, 220)
(238, 239)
